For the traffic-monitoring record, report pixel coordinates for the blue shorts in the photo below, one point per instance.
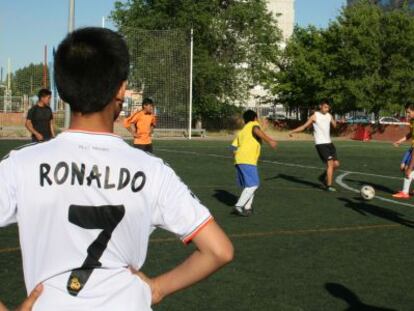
(407, 157)
(247, 175)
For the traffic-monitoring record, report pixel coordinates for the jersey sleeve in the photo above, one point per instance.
(235, 143)
(8, 200)
(30, 114)
(133, 118)
(177, 209)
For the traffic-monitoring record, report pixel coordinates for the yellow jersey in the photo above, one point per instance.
(247, 145)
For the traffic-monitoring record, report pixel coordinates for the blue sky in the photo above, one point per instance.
(27, 25)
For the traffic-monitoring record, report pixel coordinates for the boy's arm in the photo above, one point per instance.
(132, 129)
(403, 139)
(259, 133)
(130, 124)
(52, 128)
(31, 129)
(214, 250)
(333, 121)
(303, 127)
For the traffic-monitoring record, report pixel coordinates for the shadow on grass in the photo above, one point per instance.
(364, 208)
(225, 197)
(354, 302)
(376, 186)
(296, 180)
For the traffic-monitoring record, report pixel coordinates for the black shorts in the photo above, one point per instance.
(326, 152)
(146, 148)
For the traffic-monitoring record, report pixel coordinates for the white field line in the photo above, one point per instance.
(340, 181)
(212, 155)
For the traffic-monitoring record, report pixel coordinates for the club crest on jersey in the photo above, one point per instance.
(74, 284)
(63, 173)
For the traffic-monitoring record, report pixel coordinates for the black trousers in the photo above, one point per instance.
(146, 148)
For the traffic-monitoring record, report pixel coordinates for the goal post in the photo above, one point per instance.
(161, 66)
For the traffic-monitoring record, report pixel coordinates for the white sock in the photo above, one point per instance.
(249, 203)
(246, 196)
(407, 183)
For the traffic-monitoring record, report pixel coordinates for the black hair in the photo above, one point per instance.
(249, 115)
(43, 93)
(409, 105)
(147, 101)
(90, 66)
(325, 101)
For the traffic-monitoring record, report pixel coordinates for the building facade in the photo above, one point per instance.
(284, 11)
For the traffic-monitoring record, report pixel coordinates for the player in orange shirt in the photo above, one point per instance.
(141, 125)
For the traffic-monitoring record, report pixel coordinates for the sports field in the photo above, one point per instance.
(303, 249)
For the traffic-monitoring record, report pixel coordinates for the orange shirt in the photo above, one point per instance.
(143, 123)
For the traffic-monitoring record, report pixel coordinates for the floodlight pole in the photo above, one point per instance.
(190, 110)
(71, 26)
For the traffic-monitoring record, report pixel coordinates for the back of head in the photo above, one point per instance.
(249, 115)
(90, 66)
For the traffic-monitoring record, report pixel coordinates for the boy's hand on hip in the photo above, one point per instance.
(27, 305)
(157, 295)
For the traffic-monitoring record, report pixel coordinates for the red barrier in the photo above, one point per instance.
(362, 133)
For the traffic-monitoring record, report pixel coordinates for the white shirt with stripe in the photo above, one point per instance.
(322, 128)
(86, 204)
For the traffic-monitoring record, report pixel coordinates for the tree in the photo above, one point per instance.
(236, 44)
(28, 80)
(363, 61)
(398, 58)
(358, 72)
(301, 81)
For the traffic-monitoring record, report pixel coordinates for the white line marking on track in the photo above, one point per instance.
(340, 181)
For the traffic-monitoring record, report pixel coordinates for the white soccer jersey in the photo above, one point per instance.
(322, 128)
(86, 204)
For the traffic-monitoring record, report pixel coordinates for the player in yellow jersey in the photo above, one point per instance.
(246, 147)
(407, 163)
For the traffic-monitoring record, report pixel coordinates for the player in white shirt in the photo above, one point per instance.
(322, 121)
(86, 202)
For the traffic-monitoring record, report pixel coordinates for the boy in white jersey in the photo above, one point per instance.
(322, 121)
(86, 202)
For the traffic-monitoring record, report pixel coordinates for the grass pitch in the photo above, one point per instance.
(303, 249)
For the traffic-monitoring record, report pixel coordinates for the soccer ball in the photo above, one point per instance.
(367, 192)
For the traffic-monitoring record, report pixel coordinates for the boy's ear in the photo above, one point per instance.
(121, 92)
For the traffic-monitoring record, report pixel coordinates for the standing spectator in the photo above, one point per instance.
(141, 125)
(39, 119)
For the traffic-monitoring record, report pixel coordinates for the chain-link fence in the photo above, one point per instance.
(160, 70)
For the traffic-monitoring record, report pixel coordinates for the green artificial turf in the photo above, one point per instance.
(303, 249)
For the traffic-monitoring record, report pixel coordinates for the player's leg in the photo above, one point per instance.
(330, 168)
(246, 199)
(332, 164)
(248, 179)
(405, 193)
